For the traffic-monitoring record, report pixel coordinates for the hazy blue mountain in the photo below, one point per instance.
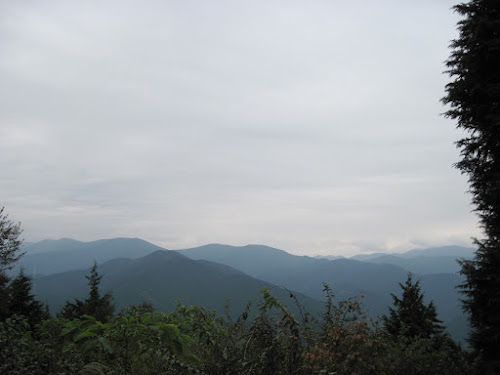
(52, 256)
(376, 279)
(421, 264)
(47, 246)
(423, 261)
(347, 277)
(303, 272)
(367, 257)
(306, 274)
(442, 288)
(161, 278)
(329, 257)
(442, 251)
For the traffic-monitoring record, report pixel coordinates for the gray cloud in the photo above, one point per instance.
(311, 127)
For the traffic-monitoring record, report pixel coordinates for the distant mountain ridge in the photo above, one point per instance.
(376, 279)
(441, 251)
(346, 277)
(46, 246)
(52, 256)
(423, 261)
(163, 277)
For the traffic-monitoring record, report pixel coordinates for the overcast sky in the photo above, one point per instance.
(311, 126)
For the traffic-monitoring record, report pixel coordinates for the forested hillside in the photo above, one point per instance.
(162, 278)
(348, 277)
(195, 340)
(423, 261)
(126, 318)
(133, 279)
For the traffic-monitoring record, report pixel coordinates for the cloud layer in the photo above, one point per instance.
(314, 127)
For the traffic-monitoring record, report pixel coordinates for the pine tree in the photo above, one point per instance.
(4, 297)
(15, 295)
(410, 317)
(22, 302)
(474, 98)
(10, 243)
(101, 308)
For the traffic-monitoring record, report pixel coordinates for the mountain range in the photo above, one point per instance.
(52, 256)
(346, 277)
(136, 271)
(162, 278)
(422, 261)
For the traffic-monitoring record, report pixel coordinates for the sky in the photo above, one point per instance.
(312, 126)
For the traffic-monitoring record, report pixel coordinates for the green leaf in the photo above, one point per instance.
(105, 344)
(85, 334)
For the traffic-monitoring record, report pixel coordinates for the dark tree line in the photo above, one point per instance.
(474, 99)
(193, 340)
(16, 297)
(10, 242)
(15, 294)
(87, 337)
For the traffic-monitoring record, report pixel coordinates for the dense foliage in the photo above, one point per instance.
(193, 340)
(88, 338)
(10, 242)
(474, 97)
(15, 294)
(17, 299)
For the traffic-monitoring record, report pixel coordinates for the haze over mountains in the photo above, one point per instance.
(52, 256)
(137, 271)
(423, 261)
(161, 278)
(347, 277)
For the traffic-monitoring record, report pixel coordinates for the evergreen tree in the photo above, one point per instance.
(410, 317)
(101, 308)
(10, 243)
(474, 98)
(9, 254)
(22, 302)
(4, 297)
(15, 295)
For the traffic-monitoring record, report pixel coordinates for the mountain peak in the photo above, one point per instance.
(164, 254)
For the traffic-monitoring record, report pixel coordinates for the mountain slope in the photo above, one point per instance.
(422, 264)
(163, 277)
(442, 251)
(47, 246)
(51, 256)
(306, 274)
(423, 261)
(346, 277)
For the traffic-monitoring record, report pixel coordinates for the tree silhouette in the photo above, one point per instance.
(410, 317)
(474, 98)
(101, 308)
(22, 302)
(10, 242)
